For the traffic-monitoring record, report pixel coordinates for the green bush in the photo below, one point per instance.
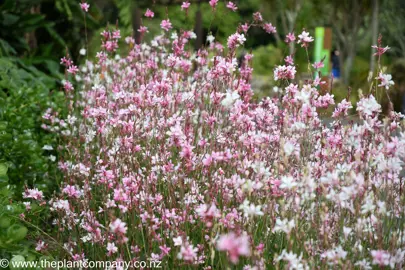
(24, 96)
(265, 59)
(18, 236)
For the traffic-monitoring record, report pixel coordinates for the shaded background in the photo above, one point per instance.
(38, 32)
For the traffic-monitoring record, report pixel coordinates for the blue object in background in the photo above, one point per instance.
(336, 72)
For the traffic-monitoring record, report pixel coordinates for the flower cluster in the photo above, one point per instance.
(167, 157)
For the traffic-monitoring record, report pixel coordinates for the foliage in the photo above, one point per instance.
(17, 237)
(24, 95)
(40, 31)
(266, 58)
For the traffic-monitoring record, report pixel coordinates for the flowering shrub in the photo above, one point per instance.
(167, 158)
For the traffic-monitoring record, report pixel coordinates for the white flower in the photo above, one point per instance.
(368, 205)
(174, 36)
(82, 51)
(287, 182)
(334, 255)
(346, 231)
(382, 209)
(304, 38)
(230, 98)
(241, 38)
(305, 94)
(260, 168)
(284, 225)
(210, 38)
(298, 126)
(330, 178)
(363, 264)
(249, 186)
(288, 148)
(178, 241)
(249, 209)
(368, 106)
(386, 80)
(71, 120)
(86, 238)
(294, 262)
(47, 147)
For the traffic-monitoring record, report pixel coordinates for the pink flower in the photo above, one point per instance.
(380, 50)
(27, 206)
(245, 27)
(143, 29)
(66, 61)
(318, 65)
(110, 45)
(304, 38)
(78, 257)
(187, 252)
(166, 25)
(185, 5)
(284, 72)
(102, 56)
(116, 34)
(208, 213)
(106, 34)
(289, 60)
(165, 250)
(257, 17)
(236, 40)
(236, 246)
(232, 6)
(269, 28)
(213, 3)
(67, 86)
(85, 7)
(33, 194)
(130, 40)
(73, 69)
(290, 37)
(207, 160)
(117, 226)
(111, 248)
(149, 13)
(71, 191)
(41, 245)
(381, 257)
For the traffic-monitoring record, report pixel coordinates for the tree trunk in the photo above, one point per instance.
(374, 32)
(136, 22)
(349, 64)
(31, 37)
(199, 28)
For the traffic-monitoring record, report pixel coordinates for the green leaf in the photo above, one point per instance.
(9, 19)
(3, 181)
(6, 48)
(5, 222)
(3, 125)
(8, 5)
(3, 169)
(17, 232)
(16, 260)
